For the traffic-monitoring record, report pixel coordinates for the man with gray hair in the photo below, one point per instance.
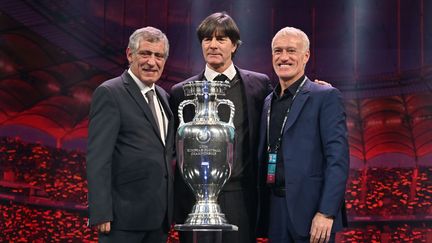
(131, 148)
(303, 150)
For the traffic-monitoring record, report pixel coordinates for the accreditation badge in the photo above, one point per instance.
(271, 168)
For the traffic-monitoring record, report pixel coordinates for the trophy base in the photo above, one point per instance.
(206, 216)
(205, 227)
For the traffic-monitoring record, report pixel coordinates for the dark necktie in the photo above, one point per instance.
(220, 77)
(151, 104)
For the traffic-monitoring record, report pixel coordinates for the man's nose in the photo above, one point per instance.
(284, 55)
(151, 60)
(213, 43)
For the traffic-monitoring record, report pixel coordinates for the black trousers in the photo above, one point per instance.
(239, 208)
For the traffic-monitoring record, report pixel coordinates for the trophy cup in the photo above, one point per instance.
(205, 150)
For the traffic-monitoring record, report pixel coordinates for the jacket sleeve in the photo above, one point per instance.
(333, 131)
(103, 129)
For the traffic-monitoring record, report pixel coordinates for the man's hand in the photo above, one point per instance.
(104, 228)
(321, 228)
(322, 82)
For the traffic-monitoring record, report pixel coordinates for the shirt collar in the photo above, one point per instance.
(290, 91)
(210, 74)
(143, 88)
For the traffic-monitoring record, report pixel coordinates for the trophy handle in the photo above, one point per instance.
(232, 109)
(180, 109)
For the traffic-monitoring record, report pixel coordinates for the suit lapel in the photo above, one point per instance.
(136, 94)
(264, 121)
(165, 105)
(164, 101)
(248, 88)
(297, 105)
(201, 77)
(262, 142)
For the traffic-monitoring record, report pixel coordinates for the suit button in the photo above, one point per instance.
(166, 176)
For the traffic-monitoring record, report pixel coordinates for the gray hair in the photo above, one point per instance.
(149, 34)
(293, 31)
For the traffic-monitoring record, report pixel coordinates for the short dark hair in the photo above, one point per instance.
(222, 24)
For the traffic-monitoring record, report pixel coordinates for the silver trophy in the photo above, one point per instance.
(205, 151)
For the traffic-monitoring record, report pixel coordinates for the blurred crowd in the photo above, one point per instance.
(60, 176)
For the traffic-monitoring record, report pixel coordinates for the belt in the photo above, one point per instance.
(278, 192)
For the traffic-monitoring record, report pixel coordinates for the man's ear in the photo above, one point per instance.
(235, 46)
(307, 55)
(129, 55)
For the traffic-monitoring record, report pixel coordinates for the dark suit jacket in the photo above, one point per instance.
(256, 86)
(316, 158)
(129, 171)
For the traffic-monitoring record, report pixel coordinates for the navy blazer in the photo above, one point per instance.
(129, 169)
(315, 156)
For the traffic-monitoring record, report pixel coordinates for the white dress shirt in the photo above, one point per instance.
(210, 74)
(160, 113)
